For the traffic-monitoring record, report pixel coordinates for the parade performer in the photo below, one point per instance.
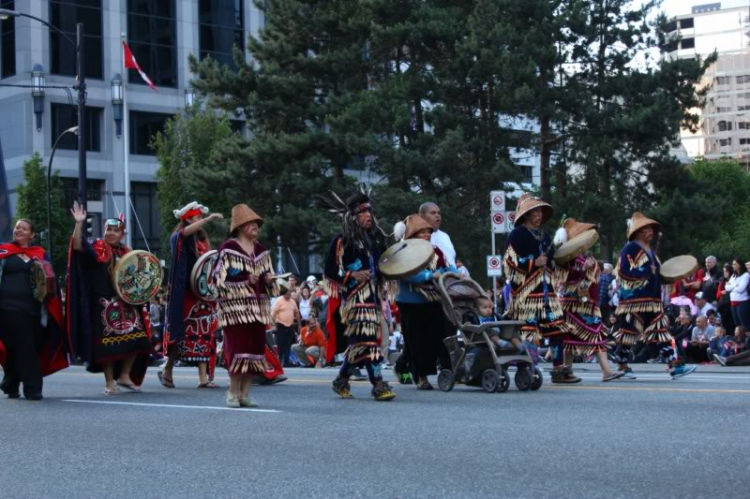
(191, 323)
(33, 343)
(110, 335)
(577, 283)
(423, 322)
(243, 277)
(353, 283)
(529, 268)
(640, 310)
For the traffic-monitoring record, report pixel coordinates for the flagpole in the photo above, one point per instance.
(126, 148)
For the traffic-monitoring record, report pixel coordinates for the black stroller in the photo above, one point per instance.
(474, 359)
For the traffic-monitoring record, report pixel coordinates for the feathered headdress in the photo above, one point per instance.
(190, 210)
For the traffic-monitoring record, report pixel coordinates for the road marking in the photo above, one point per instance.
(648, 389)
(170, 406)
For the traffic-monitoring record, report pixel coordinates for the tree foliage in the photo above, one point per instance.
(32, 205)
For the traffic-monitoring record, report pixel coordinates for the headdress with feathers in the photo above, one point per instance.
(349, 210)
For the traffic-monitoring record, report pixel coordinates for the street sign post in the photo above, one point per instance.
(497, 201)
(494, 266)
(499, 222)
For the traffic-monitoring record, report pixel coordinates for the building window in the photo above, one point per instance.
(145, 216)
(65, 116)
(64, 15)
(221, 29)
(724, 109)
(7, 42)
(528, 174)
(687, 23)
(744, 142)
(143, 127)
(152, 35)
(687, 43)
(743, 79)
(725, 142)
(721, 80)
(743, 125)
(725, 126)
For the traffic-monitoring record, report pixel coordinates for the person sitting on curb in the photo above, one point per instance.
(311, 349)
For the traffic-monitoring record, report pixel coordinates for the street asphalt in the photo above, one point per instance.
(650, 437)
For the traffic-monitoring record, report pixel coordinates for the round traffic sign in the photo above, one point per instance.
(498, 218)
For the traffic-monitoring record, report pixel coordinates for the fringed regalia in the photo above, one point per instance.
(103, 328)
(533, 297)
(358, 302)
(578, 289)
(191, 323)
(640, 310)
(244, 308)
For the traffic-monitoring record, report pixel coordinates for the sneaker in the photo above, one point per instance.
(382, 392)
(342, 388)
(681, 371)
(629, 374)
(233, 401)
(721, 360)
(613, 376)
(358, 376)
(405, 378)
(248, 402)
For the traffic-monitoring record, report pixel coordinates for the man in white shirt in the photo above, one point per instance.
(431, 212)
(702, 303)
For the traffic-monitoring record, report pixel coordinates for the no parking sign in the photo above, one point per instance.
(497, 201)
(494, 266)
(500, 222)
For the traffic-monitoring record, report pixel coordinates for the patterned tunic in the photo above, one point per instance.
(578, 288)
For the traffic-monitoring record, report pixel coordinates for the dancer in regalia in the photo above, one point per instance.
(354, 285)
(32, 335)
(529, 268)
(577, 284)
(110, 335)
(640, 310)
(191, 323)
(244, 278)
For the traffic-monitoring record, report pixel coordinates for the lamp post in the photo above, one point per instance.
(73, 129)
(117, 103)
(80, 87)
(37, 92)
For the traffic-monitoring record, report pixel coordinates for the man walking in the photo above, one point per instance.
(284, 314)
(431, 212)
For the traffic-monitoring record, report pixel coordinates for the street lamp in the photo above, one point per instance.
(117, 103)
(73, 129)
(37, 92)
(80, 87)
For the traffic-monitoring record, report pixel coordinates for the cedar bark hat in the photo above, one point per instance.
(638, 221)
(570, 229)
(526, 203)
(416, 224)
(242, 214)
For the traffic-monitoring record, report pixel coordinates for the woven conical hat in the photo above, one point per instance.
(639, 221)
(242, 214)
(526, 203)
(415, 224)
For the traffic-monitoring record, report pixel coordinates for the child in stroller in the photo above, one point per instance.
(477, 360)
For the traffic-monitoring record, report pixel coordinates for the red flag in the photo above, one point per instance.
(131, 63)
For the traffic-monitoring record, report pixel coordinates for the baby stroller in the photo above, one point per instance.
(487, 368)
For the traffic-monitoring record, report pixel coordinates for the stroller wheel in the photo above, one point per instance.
(490, 380)
(446, 380)
(538, 379)
(504, 381)
(523, 379)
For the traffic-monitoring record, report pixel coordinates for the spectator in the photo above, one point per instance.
(737, 289)
(465, 274)
(284, 314)
(683, 331)
(742, 355)
(713, 318)
(720, 343)
(604, 295)
(294, 287)
(693, 284)
(699, 340)
(305, 302)
(723, 303)
(311, 349)
(702, 303)
(431, 212)
(711, 277)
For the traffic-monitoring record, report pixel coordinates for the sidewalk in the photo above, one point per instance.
(660, 368)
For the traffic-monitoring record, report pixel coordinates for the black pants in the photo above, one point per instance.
(22, 336)
(424, 328)
(284, 342)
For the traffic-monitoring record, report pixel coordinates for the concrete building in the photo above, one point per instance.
(161, 34)
(723, 27)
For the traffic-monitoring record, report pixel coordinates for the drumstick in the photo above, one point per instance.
(403, 246)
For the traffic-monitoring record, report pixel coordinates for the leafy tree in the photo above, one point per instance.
(188, 151)
(32, 204)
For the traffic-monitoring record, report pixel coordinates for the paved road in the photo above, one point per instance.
(652, 437)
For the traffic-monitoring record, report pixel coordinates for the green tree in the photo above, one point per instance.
(188, 153)
(32, 204)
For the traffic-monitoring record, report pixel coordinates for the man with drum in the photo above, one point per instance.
(640, 310)
(354, 284)
(577, 277)
(529, 268)
(191, 322)
(111, 334)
